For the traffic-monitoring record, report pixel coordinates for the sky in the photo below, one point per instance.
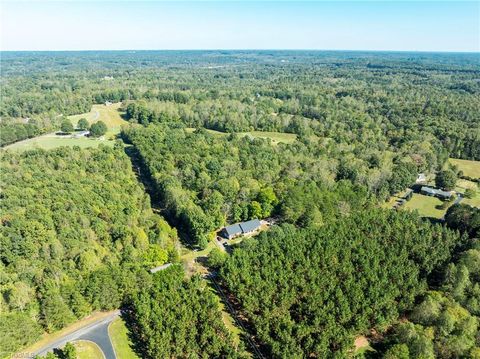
(323, 25)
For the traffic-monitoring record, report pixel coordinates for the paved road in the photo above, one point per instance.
(96, 332)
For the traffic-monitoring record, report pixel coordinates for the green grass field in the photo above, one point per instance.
(47, 142)
(275, 137)
(425, 206)
(121, 342)
(88, 350)
(108, 114)
(469, 168)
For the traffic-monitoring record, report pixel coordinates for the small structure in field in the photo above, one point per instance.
(108, 103)
(242, 228)
(428, 191)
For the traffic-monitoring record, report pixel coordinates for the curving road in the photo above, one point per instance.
(96, 332)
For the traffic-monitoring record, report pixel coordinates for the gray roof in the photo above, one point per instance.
(250, 226)
(428, 190)
(242, 227)
(437, 192)
(233, 229)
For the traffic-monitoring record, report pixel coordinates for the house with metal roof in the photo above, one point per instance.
(250, 226)
(242, 228)
(232, 231)
(428, 191)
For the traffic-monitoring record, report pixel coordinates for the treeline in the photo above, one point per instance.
(309, 292)
(77, 234)
(175, 317)
(10, 133)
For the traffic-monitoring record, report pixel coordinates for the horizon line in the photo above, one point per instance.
(256, 49)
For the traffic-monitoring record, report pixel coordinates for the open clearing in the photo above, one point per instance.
(275, 137)
(88, 350)
(47, 142)
(425, 205)
(108, 114)
(469, 168)
(119, 335)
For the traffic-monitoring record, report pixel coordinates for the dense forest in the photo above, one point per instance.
(180, 318)
(316, 289)
(315, 142)
(77, 232)
(206, 181)
(388, 100)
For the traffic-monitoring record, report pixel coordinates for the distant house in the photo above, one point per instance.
(108, 103)
(421, 178)
(428, 191)
(242, 228)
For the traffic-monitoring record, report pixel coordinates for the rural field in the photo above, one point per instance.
(50, 141)
(469, 168)
(108, 114)
(275, 137)
(111, 115)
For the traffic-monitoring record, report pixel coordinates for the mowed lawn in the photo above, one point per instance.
(469, 168)
(425, 205)
(88, 350)
(119, 335)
